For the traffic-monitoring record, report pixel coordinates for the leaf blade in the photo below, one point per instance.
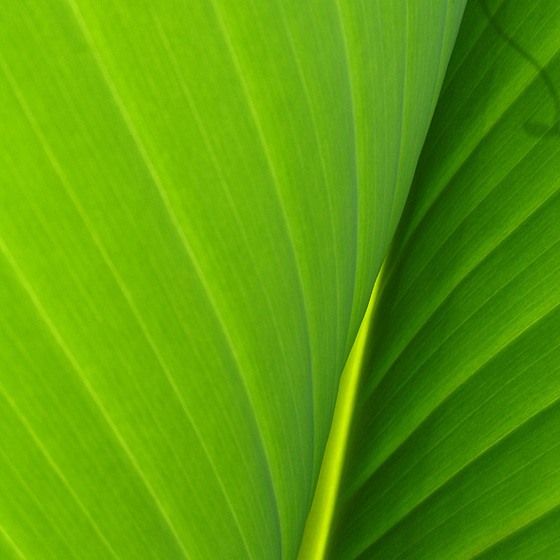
(455, 435)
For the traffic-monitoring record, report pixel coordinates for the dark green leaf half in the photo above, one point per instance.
(454, 450)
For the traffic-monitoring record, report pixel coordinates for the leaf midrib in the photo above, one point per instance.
(320, 518)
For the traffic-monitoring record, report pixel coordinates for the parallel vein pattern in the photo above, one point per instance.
(195, 199)
(455, 442)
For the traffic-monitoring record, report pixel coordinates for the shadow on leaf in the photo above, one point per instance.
(536, 129)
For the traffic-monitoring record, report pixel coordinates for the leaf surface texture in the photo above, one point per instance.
(195, 200)
(454, 445)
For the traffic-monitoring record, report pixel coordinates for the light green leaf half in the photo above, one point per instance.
(454, 448)
(195, 200)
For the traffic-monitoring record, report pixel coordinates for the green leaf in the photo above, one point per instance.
(453, 450)
(195, 200)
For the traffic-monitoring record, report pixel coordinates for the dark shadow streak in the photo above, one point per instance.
(536, 129)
